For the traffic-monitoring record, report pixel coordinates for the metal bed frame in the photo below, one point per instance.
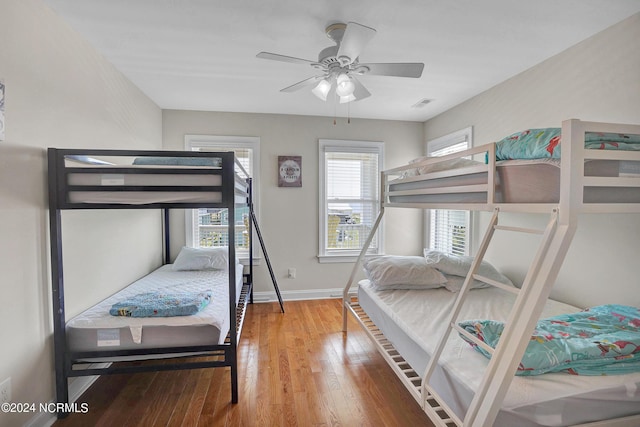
(233, 188)
(555, 241)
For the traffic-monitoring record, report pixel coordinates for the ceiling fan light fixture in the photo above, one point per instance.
(322, 89)
(340, 64)
(345, 86)
(348, 98)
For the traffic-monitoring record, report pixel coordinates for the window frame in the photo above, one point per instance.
(325, 255)
(228, 143)
(431, 146)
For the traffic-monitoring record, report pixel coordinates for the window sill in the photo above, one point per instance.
(327, 259)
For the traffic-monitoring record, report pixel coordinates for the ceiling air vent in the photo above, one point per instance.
(421, 103)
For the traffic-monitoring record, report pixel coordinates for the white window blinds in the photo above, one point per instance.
(449, 229)
(349, 196)
(209, 227)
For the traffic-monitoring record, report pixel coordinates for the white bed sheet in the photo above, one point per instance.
(96, 329)
(113, 182)
(144, 197)
(521, 181)
(150, 179)
(414, 320)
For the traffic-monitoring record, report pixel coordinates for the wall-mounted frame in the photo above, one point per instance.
(289, 171)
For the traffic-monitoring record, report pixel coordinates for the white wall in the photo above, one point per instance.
(60, 93)
(289, 216)
(598, 80)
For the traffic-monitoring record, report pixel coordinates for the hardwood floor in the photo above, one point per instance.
(295, 369)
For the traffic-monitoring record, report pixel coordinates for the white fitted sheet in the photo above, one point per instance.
(144, 197)
(113, 182)
(523, 181)
(148, 179)
(96, 329)
(413, 320)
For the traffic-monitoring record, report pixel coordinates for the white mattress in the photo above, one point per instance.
(144, 197)
(521, 181)
(110, 180)
(414, 320)
(96, 329)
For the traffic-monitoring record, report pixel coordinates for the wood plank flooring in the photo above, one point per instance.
(295, 369)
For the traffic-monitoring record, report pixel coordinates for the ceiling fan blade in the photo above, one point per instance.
(360, 92)
(283, 58)
(354, 40)
(400, 69)
(304, 83)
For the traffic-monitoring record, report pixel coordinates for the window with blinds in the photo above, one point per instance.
(449, 229)
(349, 196)
(209, 227)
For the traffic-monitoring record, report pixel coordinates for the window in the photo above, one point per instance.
(209, 227)
(449, 229)
(349, 197)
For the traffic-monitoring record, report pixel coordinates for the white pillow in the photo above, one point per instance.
(437, 167)
(454, 265)
(402, 272)
(202, 259)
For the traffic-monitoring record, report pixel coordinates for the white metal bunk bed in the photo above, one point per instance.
(477, 186)
(126, 179)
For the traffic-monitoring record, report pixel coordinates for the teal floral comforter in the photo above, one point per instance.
(545, 143)
(602, 340)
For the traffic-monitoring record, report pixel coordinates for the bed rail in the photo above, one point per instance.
(121, 179)
(434, 189)
(455, 182)
(132, 179)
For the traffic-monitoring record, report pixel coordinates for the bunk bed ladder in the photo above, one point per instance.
(253, 220)
(524, 315)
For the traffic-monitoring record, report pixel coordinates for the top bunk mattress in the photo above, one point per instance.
(517, 181)
(96, 329)
(413, 320)
(524, 168)
(109, 177)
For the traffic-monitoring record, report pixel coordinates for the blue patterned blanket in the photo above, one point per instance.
(601, 340)
(159, 304)
(546, 143)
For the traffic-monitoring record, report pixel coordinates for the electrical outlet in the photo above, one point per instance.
(5, 391)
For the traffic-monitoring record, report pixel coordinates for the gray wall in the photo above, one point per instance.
(597, 80)
(60, 93)
(289, 216)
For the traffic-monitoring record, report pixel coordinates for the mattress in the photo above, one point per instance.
(144, 197)
(111, 181)
(414, 319)
(521, 181)
(152, 179)
(95, 329)
(538, 181)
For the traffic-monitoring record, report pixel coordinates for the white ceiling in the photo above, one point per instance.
(201, 54)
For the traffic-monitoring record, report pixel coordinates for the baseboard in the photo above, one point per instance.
(270, 296)
(77, 386)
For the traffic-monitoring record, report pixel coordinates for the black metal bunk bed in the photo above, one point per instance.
(81, 179)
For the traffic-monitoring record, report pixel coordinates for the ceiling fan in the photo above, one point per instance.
(339, 64)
